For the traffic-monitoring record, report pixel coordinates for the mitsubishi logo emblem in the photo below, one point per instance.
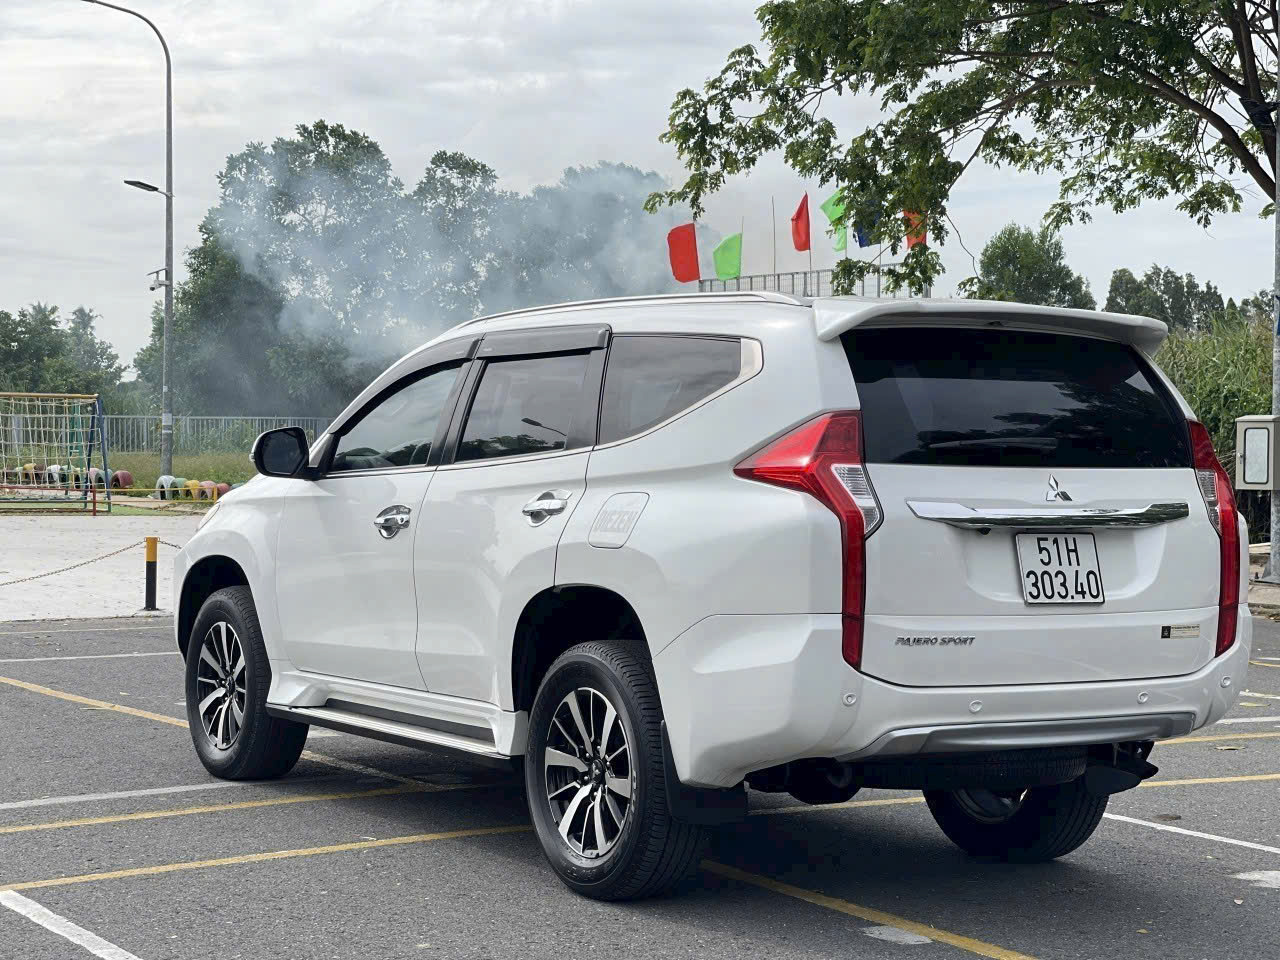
(1055, 492)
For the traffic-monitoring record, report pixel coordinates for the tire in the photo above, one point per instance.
(258, 746)
(1049, 822)
(648, 851)
(821, 783)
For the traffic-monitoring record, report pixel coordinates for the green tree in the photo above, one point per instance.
(1255, 310)
(95, 365)
(316, 267)
(32, 351)
(1125, 101)
(1177, 299)
(38, 354)
(1028, 266)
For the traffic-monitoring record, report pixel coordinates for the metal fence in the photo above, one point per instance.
(135, 434)
(803, 283)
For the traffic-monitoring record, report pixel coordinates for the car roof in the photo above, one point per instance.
(828, 316)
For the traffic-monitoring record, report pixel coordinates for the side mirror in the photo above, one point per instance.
(281, 453)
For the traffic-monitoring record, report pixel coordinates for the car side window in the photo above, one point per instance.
(524, 406)
(652, 378)
(399, 430)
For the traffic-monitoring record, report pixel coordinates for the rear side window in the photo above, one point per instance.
(651, 379)
(525, 406)
(1011, 399)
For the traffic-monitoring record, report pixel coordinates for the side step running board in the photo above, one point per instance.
(392, 731)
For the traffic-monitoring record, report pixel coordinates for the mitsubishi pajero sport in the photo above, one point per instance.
(666, 548)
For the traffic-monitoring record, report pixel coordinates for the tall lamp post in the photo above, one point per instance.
(166, 397)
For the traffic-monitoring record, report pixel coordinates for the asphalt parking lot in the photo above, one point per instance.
(113, 834)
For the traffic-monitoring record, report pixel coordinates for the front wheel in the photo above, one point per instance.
(595, 778)
(228, 675)
(1025, 826)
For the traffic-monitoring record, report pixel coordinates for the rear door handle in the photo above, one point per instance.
(545, 505)
(392, 520)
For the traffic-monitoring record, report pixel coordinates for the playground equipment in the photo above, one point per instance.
(53, 450)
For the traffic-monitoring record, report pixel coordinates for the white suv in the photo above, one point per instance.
(664, 547)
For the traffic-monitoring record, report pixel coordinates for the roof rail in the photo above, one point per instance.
(770, 296)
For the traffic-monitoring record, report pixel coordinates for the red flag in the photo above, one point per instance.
(682, 245)
(800, 225)
(916, 234)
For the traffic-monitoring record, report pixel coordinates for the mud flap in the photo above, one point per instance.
(1116, 769)
(701, 805)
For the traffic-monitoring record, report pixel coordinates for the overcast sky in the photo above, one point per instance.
(529, 87)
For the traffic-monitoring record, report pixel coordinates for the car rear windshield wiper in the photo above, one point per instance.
(997, 443)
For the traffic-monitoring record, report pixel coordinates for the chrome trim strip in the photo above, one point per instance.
(512, 458)
(1073, 518)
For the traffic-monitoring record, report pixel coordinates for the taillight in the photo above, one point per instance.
(823, 458)
(1220, 501)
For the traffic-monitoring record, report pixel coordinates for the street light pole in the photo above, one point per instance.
(166, 363)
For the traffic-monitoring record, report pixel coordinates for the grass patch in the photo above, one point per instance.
(218, 467)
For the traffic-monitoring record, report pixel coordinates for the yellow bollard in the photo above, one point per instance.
(153, 547)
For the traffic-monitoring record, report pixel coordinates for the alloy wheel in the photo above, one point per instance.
(588, 772)
(220, 684)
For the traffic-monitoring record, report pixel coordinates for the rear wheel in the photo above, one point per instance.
(595, 777)
(1025, 826)
(228, 676)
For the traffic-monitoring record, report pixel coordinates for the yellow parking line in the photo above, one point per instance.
(879, 917)
(238, 805)
(261, 857)
(178, 722)
(1197, 780)
(896, 801)
(1221, 736)
(96, 704)
(1274, 666)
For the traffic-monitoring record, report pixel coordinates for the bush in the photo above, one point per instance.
(1224, 371)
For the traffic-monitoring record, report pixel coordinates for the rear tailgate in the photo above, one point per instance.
(979, 438)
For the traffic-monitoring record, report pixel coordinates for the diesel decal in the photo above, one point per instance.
(934, 641)
(616, 519)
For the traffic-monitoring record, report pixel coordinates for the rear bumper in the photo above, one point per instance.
(741, 693)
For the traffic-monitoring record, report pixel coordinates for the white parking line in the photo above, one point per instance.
(41, 633)
(149, 792)
(1193, 833)
(92, 656)
(1266, 879)
(64, 927)
(1251, 720)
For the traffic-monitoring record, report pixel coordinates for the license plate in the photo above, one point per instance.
(1059, 568)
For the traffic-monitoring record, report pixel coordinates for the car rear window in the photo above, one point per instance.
(1003, 398)
(651, 379)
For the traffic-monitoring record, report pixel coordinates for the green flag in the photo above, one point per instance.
(728, 257)
(833, 206)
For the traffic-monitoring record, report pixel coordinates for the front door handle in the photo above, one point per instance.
(392, 520)
(545, 505)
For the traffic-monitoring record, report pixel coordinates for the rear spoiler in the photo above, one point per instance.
(833, 316)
